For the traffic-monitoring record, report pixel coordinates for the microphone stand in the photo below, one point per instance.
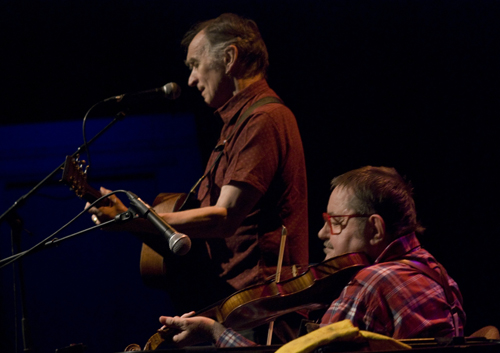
(80, 149)
(16, 225)
(121, 218)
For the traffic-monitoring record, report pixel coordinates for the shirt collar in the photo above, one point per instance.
(240, 99)
(399, 247)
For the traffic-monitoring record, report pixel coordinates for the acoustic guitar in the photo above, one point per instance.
(153, 266)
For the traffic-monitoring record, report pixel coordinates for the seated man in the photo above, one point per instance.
(406, 293)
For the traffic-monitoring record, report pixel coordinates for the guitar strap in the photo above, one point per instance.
(220, 147)
(442, 280)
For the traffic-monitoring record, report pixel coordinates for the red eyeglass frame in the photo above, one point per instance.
(327, 218)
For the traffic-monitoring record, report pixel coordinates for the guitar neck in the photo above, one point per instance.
(92, 194)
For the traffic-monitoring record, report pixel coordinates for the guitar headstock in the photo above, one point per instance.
(75, 177)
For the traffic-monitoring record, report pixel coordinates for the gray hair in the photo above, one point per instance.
(230, 29)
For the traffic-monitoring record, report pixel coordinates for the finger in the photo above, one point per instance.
(95, 219)
(95, 212)
(169, 321)
(92, 210)
(191, 313)
(113, 199)
(104, 191)
(179, 337)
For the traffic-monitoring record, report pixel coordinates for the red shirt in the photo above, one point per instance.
(266, 153)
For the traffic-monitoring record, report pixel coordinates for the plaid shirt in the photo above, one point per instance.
(232, 339)
(396, 300)
(390, 298)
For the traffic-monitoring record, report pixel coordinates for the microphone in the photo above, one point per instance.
(170, 91)
(178, 243)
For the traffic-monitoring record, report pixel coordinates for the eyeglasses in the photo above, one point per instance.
(337, 223)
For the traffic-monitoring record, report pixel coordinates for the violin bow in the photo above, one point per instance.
(278, 276)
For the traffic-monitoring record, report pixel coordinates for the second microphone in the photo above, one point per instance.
(178, 243)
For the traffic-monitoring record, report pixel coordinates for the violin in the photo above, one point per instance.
(253, 306)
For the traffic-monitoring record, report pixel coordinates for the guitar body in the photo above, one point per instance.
(183, 277)
(152, 265)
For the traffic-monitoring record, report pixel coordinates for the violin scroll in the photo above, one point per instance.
(134, 347)
(163, 335)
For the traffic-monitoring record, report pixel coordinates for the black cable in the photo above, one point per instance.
(46, 240)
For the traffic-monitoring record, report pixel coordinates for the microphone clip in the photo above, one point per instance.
(125, 216)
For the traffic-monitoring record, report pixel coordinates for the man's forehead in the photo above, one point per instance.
(339, 201)
(196, 47)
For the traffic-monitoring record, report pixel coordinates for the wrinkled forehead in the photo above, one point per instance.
(340, 200)
(197, 48)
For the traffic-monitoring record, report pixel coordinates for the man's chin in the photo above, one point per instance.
(211, 103)
(329, 253)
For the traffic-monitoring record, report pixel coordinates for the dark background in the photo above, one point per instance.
(409, 84)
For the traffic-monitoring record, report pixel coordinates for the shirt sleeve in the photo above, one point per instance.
(230, 338)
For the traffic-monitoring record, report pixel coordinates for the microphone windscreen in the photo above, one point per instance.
(180, 244)
(172, 90)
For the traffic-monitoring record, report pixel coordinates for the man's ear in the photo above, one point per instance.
(378, 234)
(230, 57)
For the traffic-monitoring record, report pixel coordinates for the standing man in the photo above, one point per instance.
(405, 293)
(258, 183)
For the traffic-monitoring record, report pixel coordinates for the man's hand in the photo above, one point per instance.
(106, 213)
(193, 330)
